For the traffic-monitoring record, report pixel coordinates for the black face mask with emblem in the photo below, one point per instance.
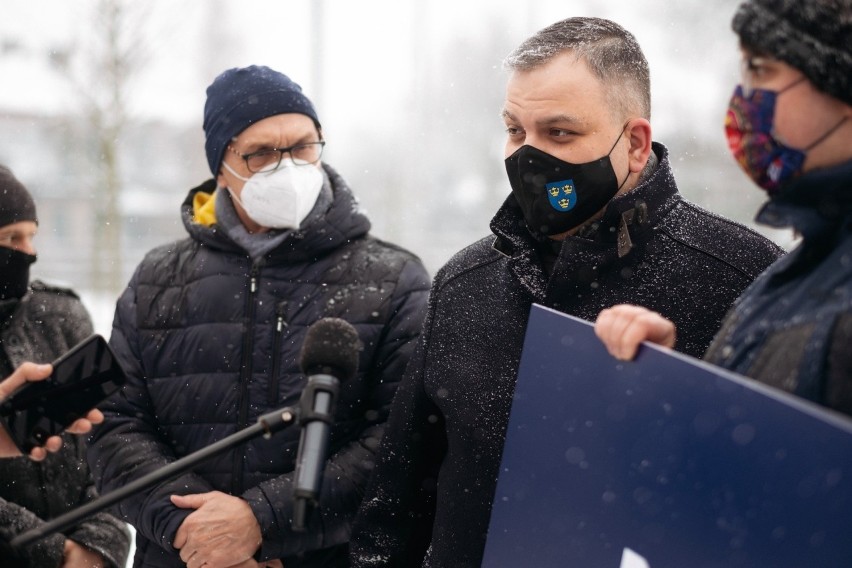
(14, 273)
(556, 196)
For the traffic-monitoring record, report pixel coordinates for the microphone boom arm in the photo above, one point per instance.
(265, 426)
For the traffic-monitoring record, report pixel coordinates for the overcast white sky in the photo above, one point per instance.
(358, 60)
(370, 48)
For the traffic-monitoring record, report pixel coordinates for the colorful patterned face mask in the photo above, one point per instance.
(749, 126)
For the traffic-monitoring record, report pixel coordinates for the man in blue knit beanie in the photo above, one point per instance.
(210, 330)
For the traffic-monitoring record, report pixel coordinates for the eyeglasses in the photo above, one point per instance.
(268, 159)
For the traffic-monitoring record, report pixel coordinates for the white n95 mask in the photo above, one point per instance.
(281, 198)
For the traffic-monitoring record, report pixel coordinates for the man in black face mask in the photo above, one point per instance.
(594, 219)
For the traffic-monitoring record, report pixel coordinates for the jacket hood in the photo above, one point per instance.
(343, 221)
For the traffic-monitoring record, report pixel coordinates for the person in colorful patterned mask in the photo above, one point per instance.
(790, 128)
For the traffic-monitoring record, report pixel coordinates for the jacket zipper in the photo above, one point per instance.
(280, 325)
(245, 377)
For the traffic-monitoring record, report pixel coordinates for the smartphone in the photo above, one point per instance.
(83, 377)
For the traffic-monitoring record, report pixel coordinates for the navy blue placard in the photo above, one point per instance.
(665, 462)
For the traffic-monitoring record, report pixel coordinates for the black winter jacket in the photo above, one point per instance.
(438, 464)
(43, 325)
(211, 341)
(792, 328)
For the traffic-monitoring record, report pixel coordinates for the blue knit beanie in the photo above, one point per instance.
(239, 97)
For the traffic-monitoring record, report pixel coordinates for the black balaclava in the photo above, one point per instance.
(16, 205)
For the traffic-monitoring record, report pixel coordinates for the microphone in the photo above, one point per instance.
(329, 355)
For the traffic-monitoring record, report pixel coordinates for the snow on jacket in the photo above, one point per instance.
(438, 464)
(211, 341)
(43, 325)
(793, 327)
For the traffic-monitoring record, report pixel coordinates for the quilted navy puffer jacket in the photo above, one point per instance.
(211, 341)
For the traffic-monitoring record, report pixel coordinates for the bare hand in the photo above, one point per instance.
(32, 372)
(222, 532)
(77, 556)
(622, 328)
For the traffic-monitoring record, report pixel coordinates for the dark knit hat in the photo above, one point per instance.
(814, 36)
(239, 97)
(16, 203)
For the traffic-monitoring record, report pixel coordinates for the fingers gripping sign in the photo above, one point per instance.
(221, 532)
(623, 327)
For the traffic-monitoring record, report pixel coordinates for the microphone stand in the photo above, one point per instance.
(266, 425)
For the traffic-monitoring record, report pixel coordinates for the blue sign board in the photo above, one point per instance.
(663, 462)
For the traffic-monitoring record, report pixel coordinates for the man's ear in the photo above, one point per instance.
(638, 133)
(220, 180)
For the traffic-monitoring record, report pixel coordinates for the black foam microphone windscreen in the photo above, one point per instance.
(331, 347)
(329, 355)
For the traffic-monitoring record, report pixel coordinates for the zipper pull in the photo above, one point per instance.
(255, 269)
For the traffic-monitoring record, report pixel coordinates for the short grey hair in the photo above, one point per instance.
(611, 52)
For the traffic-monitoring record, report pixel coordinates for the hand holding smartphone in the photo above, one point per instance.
(83, 377)
(27, 371)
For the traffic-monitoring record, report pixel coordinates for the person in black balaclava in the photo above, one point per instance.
(18, 224)
(39, 323)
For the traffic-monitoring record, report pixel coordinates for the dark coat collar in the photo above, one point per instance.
(818, 205)
(813, 204)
